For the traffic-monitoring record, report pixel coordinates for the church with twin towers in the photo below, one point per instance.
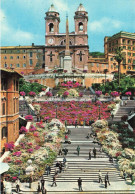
(74, 44)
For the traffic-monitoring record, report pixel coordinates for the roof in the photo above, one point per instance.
(123, 35)
(52, 9)
(81, 8)
(10, 71)
(23, 47)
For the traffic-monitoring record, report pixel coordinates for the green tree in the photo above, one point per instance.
(119, 58)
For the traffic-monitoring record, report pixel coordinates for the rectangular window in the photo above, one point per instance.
(133, 54)
(5, 65)
(24, 57)
(102, 65)
(17, 57)
(5, 57)
(129, 47)
(107, 66)
(11, 65)
(92, 64)
(117, 66)
(124, 61)
(18, 51)
(129, 60)
(134, 62)
(133, 48)
(11, 57)
(24, 51)
(123, 41)
(109, 44)
(18, 65)
(111, 59)
(134, 67)
(30, 62)
(97, 64)
(5, 51)
(30, 54)
(129, 54)
(124, 47)
(129, 67)
(124, 66)
(3, 109)
(24, 65)
(129, 42)
(111, 66)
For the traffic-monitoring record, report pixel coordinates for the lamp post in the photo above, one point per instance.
(105, 72)
(99, 113)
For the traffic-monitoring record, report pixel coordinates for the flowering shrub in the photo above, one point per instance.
(70, 84)
(22, 93)
(22, 72)
(65, 71)
(23, 130)
(14, 178)
(128, 93)
(55, 71)
(73, 70)
(43, 89)
(17, 154)
(80, 94)
(84, 71)
(48, 94)
(74, 110)
(114, 94)
(9, 145)
(32, 94)
(32, 128)
(35, 80)
(98, 93)
(18, 162)
(29, 117)
(30, 150)
(65, 94)
(73, 93)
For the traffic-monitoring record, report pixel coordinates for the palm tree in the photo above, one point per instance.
(119, 58)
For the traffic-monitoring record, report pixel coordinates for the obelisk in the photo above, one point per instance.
(67, 58)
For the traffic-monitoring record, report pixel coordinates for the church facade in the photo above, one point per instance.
(55, 42)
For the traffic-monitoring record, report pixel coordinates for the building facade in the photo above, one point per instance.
(24, 59)
(55, 42)
(126, 41)
(9, 111)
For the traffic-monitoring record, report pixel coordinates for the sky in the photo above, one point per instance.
(22, 21)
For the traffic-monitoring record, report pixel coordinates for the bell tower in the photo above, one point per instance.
(81, 20)
(52, 25)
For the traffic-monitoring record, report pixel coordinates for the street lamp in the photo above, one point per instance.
(105, 72)
(99, 112)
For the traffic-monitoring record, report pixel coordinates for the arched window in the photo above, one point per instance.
(80, 26)
(51, 27)
(4, 132)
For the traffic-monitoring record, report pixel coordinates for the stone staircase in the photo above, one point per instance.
(24, 110)
(80, 166)
(124, 110)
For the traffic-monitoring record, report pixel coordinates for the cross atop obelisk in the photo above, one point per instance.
(67, 52)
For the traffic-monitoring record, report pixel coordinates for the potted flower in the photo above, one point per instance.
(32, 94)
(85, 71)
(48, 94)
(65, 71)
(29, 117)
(98, 93)
(9, 146)
(65, 94)
(73, 70)
(22, 93)
(128, 94)
(23, 130)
